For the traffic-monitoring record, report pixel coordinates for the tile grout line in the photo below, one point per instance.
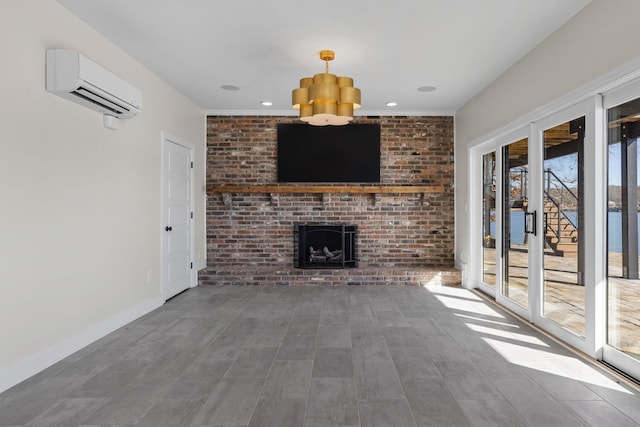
(404, 392)
(235, 358)
(268, 373)
(313, 361)
(355, 383)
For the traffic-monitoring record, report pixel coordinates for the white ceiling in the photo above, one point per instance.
(264, 47)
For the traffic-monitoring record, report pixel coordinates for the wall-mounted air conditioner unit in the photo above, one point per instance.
(79, 79)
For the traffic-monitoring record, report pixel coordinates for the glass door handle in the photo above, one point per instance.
(530, 222)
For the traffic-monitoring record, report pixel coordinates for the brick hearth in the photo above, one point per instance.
(404, 238)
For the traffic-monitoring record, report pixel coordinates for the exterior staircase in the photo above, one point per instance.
(560, 233)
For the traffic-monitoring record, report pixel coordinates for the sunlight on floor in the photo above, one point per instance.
(531, 351)
(528, 339)
(479, 319)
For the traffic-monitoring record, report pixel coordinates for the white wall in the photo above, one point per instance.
(80, 205)
(600, 38)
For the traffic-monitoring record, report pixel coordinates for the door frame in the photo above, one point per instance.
(167, 138)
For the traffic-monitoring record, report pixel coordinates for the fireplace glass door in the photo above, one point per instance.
(326, 246)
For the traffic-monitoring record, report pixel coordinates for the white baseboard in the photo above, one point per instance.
(31, 365)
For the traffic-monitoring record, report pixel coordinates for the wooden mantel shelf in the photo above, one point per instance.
(326, 189)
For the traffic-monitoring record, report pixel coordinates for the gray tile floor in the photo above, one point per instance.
(318, 357)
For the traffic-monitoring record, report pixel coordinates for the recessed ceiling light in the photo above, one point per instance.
(230, 87)
(267, 103)
(391, 104)
(426, 89)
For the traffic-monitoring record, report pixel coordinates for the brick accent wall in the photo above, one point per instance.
(399, 232)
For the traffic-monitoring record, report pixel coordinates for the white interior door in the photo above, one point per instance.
(177, 207)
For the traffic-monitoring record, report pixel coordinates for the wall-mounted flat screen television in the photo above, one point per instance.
(348, 153)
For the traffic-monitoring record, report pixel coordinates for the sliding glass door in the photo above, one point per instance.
(566, 164)
(502, 208)
(562, 217)
(560, 212)
(515, 242)
(533, 216)
(623, 278)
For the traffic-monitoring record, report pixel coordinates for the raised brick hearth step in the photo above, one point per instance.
(409, 276)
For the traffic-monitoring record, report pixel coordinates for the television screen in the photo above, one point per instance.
(348, 153)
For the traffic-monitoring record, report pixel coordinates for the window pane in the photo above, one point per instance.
(489, 218)
(563, 258)
(515, 248)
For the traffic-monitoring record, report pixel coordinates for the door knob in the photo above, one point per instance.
(167, 228)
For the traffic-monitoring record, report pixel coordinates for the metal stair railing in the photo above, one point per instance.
(520, 198)
(558, 184)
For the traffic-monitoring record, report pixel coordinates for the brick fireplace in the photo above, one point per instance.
(405, 224)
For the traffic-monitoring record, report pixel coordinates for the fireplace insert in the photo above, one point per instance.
(326, 246)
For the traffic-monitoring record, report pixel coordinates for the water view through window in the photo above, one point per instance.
(614, 237)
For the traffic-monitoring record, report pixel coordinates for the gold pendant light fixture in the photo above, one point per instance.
(326, 99)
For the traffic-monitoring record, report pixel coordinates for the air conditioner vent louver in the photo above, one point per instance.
(77, 78)
(100, 101)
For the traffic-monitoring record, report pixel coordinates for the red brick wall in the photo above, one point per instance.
(394, 230)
